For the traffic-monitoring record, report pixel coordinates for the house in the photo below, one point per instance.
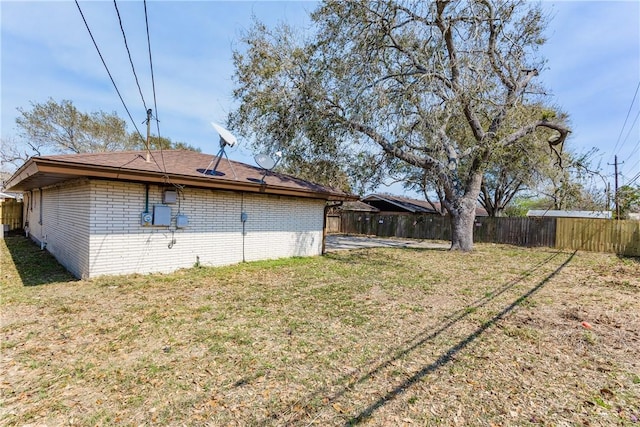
(391, 203)
(7, 196)
(126, 212)
(10, 211)
(358, 206)
(334, 213)
(569, 214)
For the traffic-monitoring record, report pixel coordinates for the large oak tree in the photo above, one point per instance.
(440, 86)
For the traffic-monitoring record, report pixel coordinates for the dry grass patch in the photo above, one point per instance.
(377, 336)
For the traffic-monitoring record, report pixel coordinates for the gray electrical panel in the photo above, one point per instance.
(182, 221)
(161, 215)
(169, 196)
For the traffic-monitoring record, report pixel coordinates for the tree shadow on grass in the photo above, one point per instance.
(449, 355)
(422, 338)
(34, 266)
(630, 258)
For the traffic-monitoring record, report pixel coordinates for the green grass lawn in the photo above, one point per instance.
(371, 337)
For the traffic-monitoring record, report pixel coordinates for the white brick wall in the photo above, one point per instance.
(93, 227)
(65, 223)
(276, 227)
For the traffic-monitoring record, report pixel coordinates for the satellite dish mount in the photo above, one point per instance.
(226, 139)
(267, 163)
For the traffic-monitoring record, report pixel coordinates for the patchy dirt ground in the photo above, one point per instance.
(502, 336)
(336, 242)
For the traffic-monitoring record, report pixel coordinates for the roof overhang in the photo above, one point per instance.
(46, 172)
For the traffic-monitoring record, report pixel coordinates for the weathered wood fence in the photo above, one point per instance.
(11, 213)
(621, 237)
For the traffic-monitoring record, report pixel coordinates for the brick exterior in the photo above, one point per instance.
(93, 227)
(59, 218)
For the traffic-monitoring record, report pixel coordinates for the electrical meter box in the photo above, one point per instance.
(169, 196)
(182, 221)
(146, 218)
(161, 215)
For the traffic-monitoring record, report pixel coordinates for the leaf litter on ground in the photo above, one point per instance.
(391, 336)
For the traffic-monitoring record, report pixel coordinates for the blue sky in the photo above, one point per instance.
(593, 68)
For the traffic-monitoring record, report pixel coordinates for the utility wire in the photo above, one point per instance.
(635, 120)
(634, 179)
(626, 118)
(637, 147)
(633, 166)
(153, 84)
(126, 45)
(108, 72)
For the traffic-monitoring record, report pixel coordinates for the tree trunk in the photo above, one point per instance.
(462, 230)
(462, 222)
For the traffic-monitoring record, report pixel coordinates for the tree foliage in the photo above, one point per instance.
(628, 200)
(53, 127)
(61, 127)
(519, 170)
(578, 185)
(160, 143)
(438, 87)
(522, 167)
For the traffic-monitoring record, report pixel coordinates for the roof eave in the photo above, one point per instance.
(66, 171)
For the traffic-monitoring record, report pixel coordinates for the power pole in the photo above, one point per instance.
(616, 196)
(615, 162)
(149, 111)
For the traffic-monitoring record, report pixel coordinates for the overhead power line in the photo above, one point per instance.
(107, 68)
(625, 120)
(634, 179)
(635, 120)
(153, 82)
(634, 151)
(135, 75)
(126, 45)
(95, 44)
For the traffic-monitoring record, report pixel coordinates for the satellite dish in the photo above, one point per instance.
(267, 163)
(264, 161)
(226, 137)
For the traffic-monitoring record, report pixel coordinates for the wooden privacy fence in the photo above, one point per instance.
(621, 237)
(333, 223)
(527, 232)
(11, 213)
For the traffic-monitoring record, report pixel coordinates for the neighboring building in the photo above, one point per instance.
(5, 196)
(391, 203)
(355, 206)
(116, 213)
(334, 213)
(570, 214)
